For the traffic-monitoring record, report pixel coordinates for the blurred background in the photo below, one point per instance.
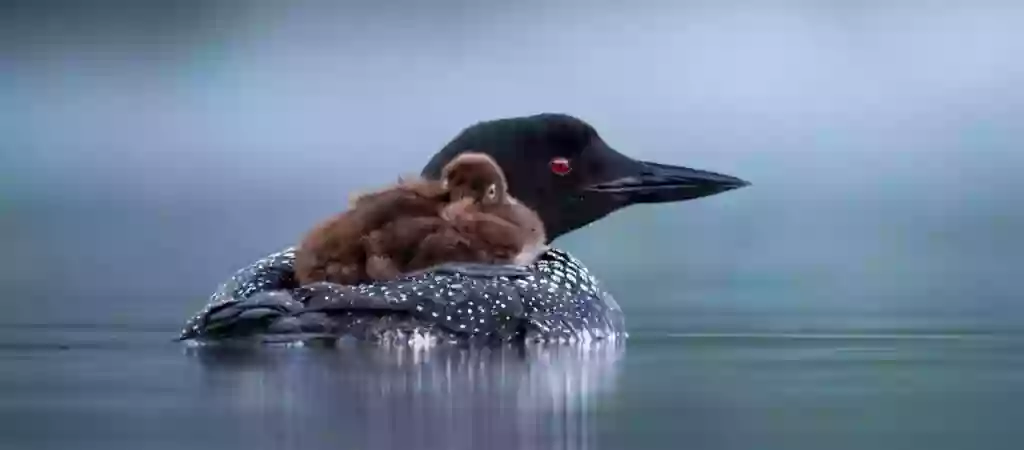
(149, 149)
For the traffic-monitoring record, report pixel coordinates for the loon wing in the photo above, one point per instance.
(555, 298)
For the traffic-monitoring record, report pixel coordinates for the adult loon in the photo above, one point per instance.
(557, 165)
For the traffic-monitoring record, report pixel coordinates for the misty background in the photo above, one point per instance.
(148, 150)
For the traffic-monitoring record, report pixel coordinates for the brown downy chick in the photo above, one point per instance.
(480, 223)
(499, 227)
(416, 224)
(336, 250)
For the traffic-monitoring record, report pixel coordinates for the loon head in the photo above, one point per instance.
(560, 167)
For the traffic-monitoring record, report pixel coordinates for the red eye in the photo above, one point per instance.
(560, 166)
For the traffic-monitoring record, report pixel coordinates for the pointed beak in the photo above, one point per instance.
(649, 182)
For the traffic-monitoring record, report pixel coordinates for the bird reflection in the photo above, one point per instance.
(364, 396)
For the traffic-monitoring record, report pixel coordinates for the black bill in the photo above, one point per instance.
(635, 181)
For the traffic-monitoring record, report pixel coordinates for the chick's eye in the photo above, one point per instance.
(560, 166)
(492, 191)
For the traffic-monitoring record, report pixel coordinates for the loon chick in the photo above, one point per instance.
(335, 250)
(481, 224)
(466, 217)
(483, 209)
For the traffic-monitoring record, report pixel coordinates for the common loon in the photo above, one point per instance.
(555, 164)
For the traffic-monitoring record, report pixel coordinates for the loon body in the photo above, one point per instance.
(554, 299)
(555, 164)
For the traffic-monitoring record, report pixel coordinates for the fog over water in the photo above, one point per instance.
(150, 150)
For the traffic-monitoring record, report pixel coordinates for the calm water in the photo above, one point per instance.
(130, 388)
(863, 293)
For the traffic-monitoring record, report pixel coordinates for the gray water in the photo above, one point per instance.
(861, 294)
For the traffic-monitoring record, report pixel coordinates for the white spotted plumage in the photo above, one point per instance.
(558, 300)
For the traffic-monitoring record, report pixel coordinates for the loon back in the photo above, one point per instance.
(555, 299)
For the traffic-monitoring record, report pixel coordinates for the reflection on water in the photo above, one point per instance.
(371, 397)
